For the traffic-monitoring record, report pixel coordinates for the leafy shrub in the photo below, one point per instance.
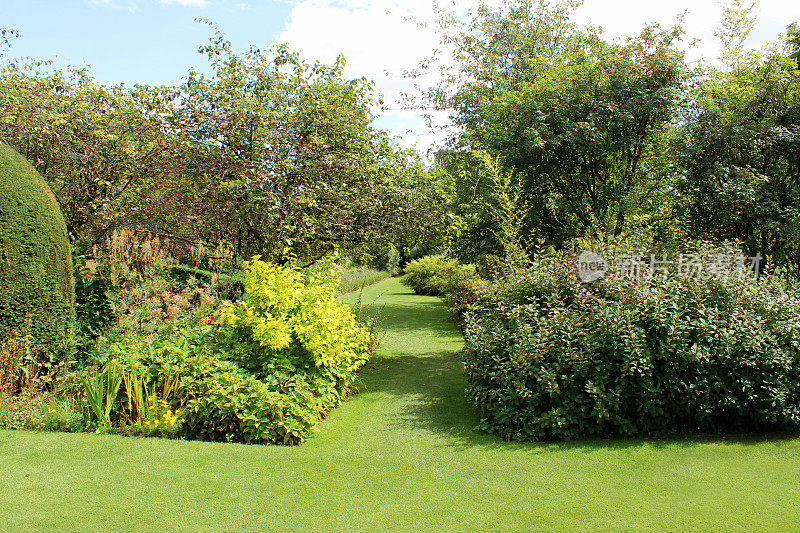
(548, 357)
(93, 304)
(436, 275)
(36, 285)
(420, 250)
(386, 259)
(290, 316)
(463, 291)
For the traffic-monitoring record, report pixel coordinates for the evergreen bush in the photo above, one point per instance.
(36, 278)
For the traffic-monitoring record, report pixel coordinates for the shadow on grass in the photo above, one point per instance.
(433, 387)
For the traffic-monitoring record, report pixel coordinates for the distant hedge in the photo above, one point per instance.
(36, 283)
(549, 357)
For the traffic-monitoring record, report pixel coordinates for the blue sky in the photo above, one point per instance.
(156, 41)
(146, 41)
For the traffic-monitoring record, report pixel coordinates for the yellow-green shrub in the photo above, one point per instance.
(291, 316)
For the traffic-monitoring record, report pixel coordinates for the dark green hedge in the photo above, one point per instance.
(36, 283)
(548, 357)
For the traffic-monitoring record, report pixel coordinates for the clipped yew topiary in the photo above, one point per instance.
(36, 285)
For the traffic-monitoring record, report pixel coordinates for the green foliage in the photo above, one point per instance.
(45, 413)
(93, 304)
(385, 258)
(792, 43)
(105, 151)
(101, 388)
(266, 151)
(418, 273)
(280, 359)
(508, 209)
(36, 283)
(738, 149)
(15, 356)
(289, 316)
(548, 357)
(436, 275)
(580, 118)
(315, 174)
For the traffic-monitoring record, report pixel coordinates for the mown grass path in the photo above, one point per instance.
(401, 455)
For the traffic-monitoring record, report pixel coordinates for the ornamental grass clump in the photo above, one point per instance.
(550, 357)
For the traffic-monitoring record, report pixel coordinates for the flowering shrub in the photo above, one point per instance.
(549, 357)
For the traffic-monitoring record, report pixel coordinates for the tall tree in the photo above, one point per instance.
(581, 119)
(281, 154)
(100, 148)
(740, 147)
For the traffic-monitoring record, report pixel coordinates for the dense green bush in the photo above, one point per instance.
(290, 316)
(386, 259)
(36, 284)
(93, 304)
(435, 274)
(549, 357)
(217, 400)
(463, 290)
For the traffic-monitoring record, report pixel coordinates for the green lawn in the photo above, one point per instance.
(401, 455)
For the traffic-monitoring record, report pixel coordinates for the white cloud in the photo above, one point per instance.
(132, 5)
(625, 17)
(379, 41)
